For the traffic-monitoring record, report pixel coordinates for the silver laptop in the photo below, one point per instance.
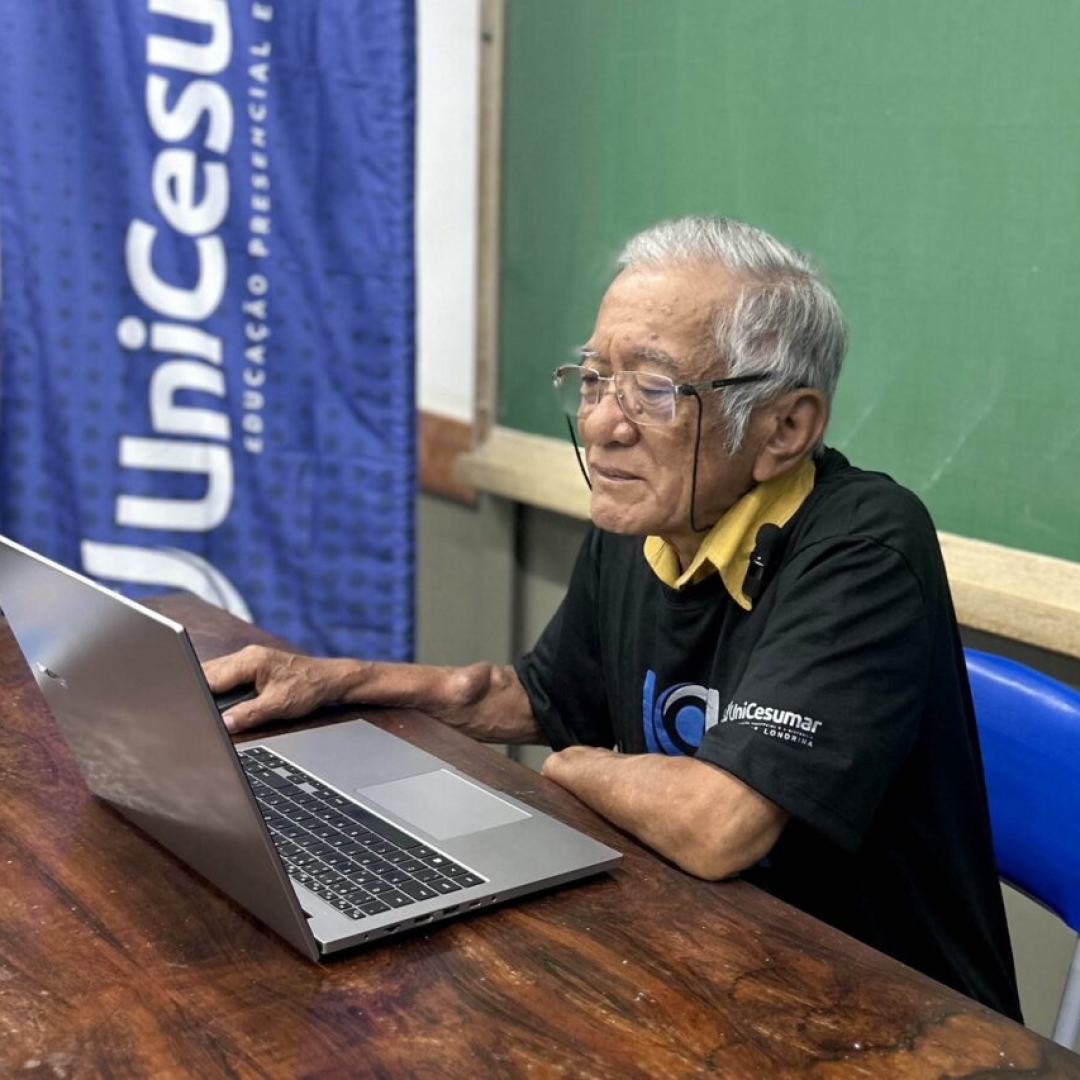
(332, 836)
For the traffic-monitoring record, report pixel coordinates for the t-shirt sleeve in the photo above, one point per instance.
(563, 675)
(828, 706)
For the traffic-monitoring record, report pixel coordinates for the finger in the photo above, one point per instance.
(276, 700)
(550, 766)
(245, 716)
(225, 672)
(219, 674)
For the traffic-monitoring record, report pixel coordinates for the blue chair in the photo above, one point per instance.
(1029, 728)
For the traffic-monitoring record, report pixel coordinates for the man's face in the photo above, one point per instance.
(661, 320)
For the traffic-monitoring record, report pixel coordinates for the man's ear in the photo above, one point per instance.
(788, 428)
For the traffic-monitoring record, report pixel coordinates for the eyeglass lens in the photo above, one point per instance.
(644, 397)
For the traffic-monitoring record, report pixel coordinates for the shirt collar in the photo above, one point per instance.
(727, 546)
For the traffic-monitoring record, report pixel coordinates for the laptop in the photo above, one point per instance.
(332, 836)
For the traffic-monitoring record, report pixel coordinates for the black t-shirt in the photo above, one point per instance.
(842, 697)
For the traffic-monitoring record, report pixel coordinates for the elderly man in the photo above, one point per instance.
(770, 683)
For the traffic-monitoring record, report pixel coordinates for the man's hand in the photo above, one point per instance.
(702, 818)
(288, 685)
(481, 700)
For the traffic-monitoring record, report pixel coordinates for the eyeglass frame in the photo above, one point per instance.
(679, 389)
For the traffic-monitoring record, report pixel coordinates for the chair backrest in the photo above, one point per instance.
(1029, 729)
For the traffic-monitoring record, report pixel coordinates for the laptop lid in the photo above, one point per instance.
(127, 693)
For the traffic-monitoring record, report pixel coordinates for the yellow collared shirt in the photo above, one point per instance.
(727, 546)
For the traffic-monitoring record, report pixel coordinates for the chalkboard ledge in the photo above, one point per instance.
(530, 469)
(1017, 595)
(1014, 594)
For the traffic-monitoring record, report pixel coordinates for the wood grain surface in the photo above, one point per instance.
(117, 961)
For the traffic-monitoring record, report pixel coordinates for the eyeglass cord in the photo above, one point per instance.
(579, 458)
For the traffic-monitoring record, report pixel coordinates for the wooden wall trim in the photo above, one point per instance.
(1015, 594)
(489, 203)
(531, 469)
(440, 440)
(1018, 595)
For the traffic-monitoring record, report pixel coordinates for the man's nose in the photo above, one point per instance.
(606, 419)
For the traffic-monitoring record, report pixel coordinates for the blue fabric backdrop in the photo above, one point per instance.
(206, 230)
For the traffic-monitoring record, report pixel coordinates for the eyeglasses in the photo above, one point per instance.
(646, 399)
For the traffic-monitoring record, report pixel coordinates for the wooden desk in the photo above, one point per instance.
(115, 960)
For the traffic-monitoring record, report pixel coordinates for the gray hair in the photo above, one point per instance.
(785, 319)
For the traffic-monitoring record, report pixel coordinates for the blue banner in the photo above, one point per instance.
(206, 317)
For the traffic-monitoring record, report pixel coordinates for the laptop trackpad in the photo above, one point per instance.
(442, 804)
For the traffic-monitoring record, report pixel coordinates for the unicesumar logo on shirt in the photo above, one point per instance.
(783, 724)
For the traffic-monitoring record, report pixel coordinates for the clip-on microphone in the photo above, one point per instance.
(764, 547)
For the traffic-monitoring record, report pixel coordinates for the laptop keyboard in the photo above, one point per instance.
(356, 861)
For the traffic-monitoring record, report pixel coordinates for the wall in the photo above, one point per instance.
(447, 155)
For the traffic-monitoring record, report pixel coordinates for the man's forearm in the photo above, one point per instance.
(702, 818)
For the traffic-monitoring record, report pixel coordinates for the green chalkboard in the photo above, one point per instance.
(925, 152)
